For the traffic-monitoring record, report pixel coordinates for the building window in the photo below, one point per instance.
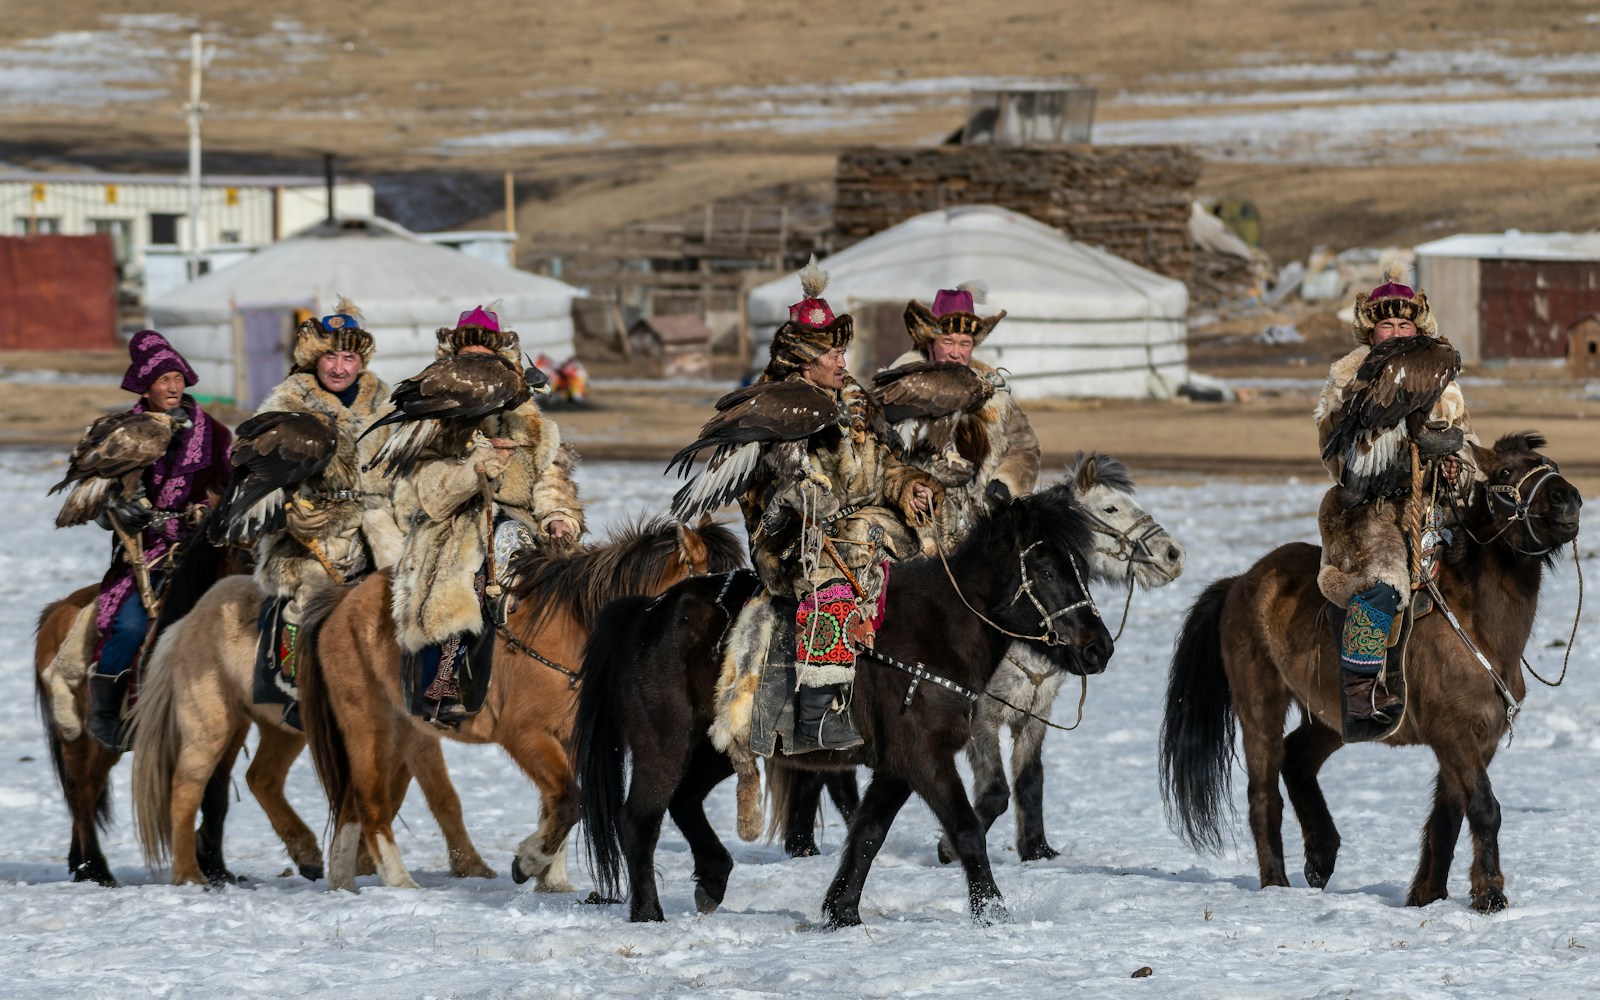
(37, 225)
(164, 228)
(121, 233)
(230, 236)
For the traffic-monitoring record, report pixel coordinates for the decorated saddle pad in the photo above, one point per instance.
(275, 658)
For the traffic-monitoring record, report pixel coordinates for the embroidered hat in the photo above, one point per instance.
(479, 326)
(152, 357)
(1395, 298)
(340, 331)
(954, 311)
(812, 330)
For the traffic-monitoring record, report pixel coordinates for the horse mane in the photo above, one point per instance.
(1462, 548)
(1058, 518)
(1520, 441)
(725, 548)
(1108, 469)
(200, 564)
(631, 560)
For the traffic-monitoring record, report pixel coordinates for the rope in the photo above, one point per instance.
(1571, 638)
(1513, 707)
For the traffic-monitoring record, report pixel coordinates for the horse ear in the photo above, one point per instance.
(1021, 516)
(1485, 457)
(692, 549)
(1088, 472)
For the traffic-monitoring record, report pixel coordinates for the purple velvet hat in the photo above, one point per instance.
(152, 357)
(479, 316)
(953, 300)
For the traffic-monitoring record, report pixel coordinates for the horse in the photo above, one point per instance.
(1131, 548)
(357, 719)
(1253, 644)
(82, 765)
(191, 721)
(651, 671)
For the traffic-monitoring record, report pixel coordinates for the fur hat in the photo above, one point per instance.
(340, 331)
(954, 311)
(812, 331)
(1394, 298)
(150, 357)
(480, 327)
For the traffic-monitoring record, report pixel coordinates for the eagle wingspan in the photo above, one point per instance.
(930, 390)
(1400, 377)
(446, 400)
(273, 453)
(113, 452)
(747, 418)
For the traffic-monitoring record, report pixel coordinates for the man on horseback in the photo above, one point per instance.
(465, 517)
(151, 525)
(1396, 440)
(339, 522)
(996, 452)
(826, 502)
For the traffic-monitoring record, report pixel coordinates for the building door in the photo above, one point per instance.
(267, 352)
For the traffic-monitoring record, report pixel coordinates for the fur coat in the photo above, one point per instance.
(284, 565)
(996, 444)
(850, 480)
(1365, 544)
(440, 509)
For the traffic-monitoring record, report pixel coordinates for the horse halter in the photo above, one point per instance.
(1511, 496)
(1131, 547)
(1047, 618)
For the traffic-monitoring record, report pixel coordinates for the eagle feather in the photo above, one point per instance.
(1400, 381)
(108, 462)
(273, 453)
(443, 405)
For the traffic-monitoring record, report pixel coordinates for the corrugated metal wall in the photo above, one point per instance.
(1528, 306)
(58, 292)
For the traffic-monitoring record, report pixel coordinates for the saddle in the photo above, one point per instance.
(1392, 678)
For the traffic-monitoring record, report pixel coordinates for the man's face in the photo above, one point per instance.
(337, 370)
(1388, 329)
(828, 371)
(952, 347)
(165, 392)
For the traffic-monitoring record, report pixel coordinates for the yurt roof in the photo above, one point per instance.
(395, 278)
(1031, 270)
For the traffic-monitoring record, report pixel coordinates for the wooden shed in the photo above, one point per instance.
(679, 345)
(1512, 295)
(1583, 347)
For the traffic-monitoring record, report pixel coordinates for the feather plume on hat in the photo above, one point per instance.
(813, 279)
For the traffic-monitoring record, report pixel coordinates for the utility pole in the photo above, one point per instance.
(193, 111)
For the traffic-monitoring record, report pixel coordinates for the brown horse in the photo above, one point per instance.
(1253, 644)
(356, 717)
(193, 715)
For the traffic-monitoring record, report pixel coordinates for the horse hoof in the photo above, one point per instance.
(222, 878)
(801, 850)
(1490, 901)
(650, 916)
(311, 873)
(842, 918)
(1316, 878)
(991, 912)
(518, 875)
(1423, 897)
(704, 901)
(1038, 852)
(97, 876)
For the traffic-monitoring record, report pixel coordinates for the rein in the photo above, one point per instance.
(1131, 549)
(1050, 637)
(519, 646)
(1513, 707)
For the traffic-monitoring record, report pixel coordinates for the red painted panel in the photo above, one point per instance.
(1526, 307)
(58, 292)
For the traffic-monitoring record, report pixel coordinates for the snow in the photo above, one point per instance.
(1125, 893)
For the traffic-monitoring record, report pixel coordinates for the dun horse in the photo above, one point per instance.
(1253, 644)
(357, 721)
(1130, 548)
(652, 666)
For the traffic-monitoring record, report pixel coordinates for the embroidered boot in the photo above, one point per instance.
(1363, 648)
(821, 722)
(106, 694)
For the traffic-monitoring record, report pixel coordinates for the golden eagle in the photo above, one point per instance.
(109, 462)
(443, 405)
(273, 453)
(787, 411)
(925, 401)
(1391, 396)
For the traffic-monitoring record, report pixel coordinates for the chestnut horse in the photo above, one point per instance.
(1256, 643)
(357, 720)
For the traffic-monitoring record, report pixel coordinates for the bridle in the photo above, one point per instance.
(1047, 619)
(1510, 496)
(1133, 545)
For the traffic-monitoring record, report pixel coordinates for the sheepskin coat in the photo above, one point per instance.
(996, 444)
(357, 526)
(440, 507)
(1365, 544)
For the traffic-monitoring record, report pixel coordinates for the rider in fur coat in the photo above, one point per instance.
(340, 523)
(1379, 535)
(441, 576)
(999, 452)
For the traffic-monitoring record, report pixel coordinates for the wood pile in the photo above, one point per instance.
(1133, 201)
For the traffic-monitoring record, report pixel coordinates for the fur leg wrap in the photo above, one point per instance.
(751, 819)
(65, 674)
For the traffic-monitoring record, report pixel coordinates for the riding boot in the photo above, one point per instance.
(821, 720)
(1363, 649)
(106, 694)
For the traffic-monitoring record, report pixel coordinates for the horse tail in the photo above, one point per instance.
(780, 789)
(156, 742)
(598, 743)
(48, 634)
(328, 753)
(1197, 729)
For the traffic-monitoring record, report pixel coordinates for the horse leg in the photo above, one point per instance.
(1304, 753)
(1483, 819)
(660, 764)
(542, 854)
(1027, 771)
(989, 788)
(425, 757)
(1439, 833)
(940, 786)
(201, 752)
(267, 775)
(86, 770)
(214, 816)
(1261, 721)
(365, 744)
(844, 792)
(800, 822)
(883, 800)
(712, 862)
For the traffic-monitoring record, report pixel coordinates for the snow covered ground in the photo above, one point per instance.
(1124, 894)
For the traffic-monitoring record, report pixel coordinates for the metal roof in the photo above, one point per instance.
(182, 180)
(1515, 245)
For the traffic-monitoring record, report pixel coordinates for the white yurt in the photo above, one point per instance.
(1079, 322)
(406, 288)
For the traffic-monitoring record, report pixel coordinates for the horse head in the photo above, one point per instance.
(1129, 542)
(1047, 595)
(1526, 504)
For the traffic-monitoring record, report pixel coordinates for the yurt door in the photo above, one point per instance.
(268, 333)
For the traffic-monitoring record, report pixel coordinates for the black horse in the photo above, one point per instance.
(652, 666)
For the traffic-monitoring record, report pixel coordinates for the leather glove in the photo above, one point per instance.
(997, 493)
(306, 521)
(131, 514)
(1436, 443)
